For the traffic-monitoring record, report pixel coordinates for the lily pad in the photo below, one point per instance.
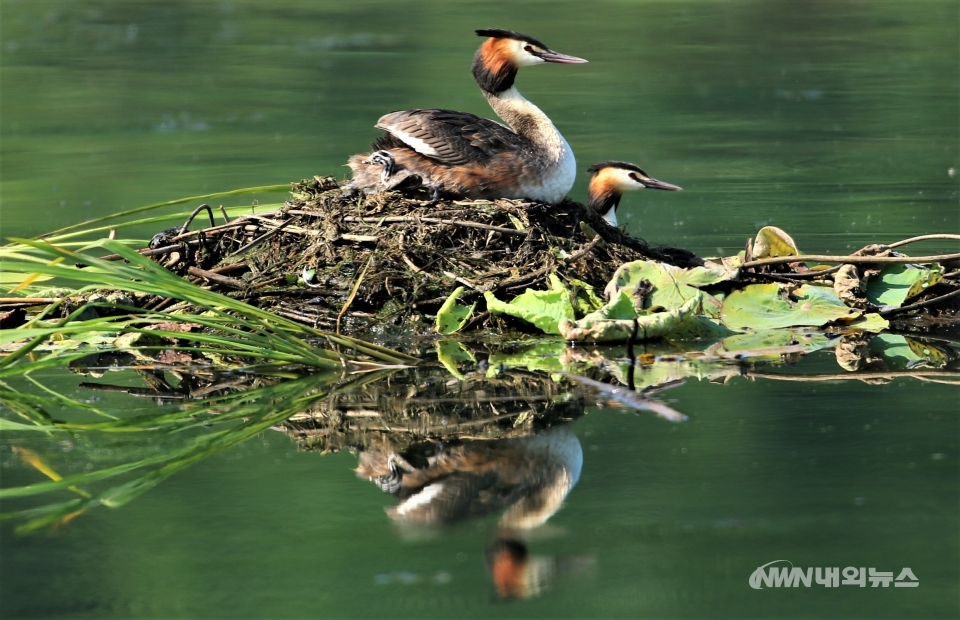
(545, 356)
(901, 353)
(450, 353)
(672, 286)
(545, 309)
(872, 322)
(650, 326)
(584, 297)
(772, 242)
(897, 283)
(452, 316)
(771, 343)
(768, 306)
(699, 327)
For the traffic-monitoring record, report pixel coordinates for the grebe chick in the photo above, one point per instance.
(472, 157)
(611, 179)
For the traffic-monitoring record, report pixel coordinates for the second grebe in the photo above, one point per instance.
(611, 179)
(465, 155)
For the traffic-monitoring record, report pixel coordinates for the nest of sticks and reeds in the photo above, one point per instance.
(354, 262)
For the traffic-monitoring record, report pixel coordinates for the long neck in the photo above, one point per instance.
(604, 202)
(527, 120)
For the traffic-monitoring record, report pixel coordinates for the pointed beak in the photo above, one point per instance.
(655, 184)
(563, 59)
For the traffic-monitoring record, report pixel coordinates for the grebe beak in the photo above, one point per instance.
(655, 184)
(557, 57)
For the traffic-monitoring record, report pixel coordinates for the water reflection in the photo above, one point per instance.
(524, 479)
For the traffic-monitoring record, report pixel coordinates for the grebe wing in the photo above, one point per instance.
(457, 496)
(449, 137)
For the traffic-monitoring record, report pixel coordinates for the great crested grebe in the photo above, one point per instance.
(526, 477)
(465, 155)
(611, 179)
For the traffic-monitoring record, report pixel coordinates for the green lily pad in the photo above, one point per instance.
(768, 306)
(545, 309)
(871, 322)
(452, 316)
(649, 326)
(771, 343)
(901, 353)
(897, 283)
(699, 327)
(672, 286)
(450, 353)
(545, 356)
(584, 297)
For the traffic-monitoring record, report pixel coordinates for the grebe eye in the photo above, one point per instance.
(528, 48)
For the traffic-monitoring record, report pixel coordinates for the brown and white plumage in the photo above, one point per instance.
(611, 179)
(527, 478)
(465, 155)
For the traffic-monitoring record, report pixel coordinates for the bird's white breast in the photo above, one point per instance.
(556, 180)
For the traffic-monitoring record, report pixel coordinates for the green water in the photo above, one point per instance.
(837, 121)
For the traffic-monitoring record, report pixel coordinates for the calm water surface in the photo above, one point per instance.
(837, 121)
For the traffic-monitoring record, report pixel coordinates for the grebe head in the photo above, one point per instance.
(496, 62)
(611, 179)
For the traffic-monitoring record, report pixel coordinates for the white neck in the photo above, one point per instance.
(528, 121)
(611, 216)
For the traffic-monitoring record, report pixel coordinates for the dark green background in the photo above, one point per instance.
(837, 121)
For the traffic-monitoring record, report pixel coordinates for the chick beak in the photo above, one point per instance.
(655, 184)
(557, 57)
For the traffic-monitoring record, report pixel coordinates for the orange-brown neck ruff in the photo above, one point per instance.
(603, 193)
(508, 560)
(493, 67)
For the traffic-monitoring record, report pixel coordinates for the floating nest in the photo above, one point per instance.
(353, 262)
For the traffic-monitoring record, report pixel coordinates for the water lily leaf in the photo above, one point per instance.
(584, 297)
(620, 307)
(452, 316)
(871, 322)
(699, 327)
(450, 353)
(768, 306)
(672, 286)
(771, 343)
(545, 309)
(772, 242)
(897, 283)
(649, 326)
(901, 353)
(927, 351)
(545, 356)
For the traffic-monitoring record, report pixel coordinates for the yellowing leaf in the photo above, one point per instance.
(772, 242)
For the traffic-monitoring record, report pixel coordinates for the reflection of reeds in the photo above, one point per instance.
(234, 418)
